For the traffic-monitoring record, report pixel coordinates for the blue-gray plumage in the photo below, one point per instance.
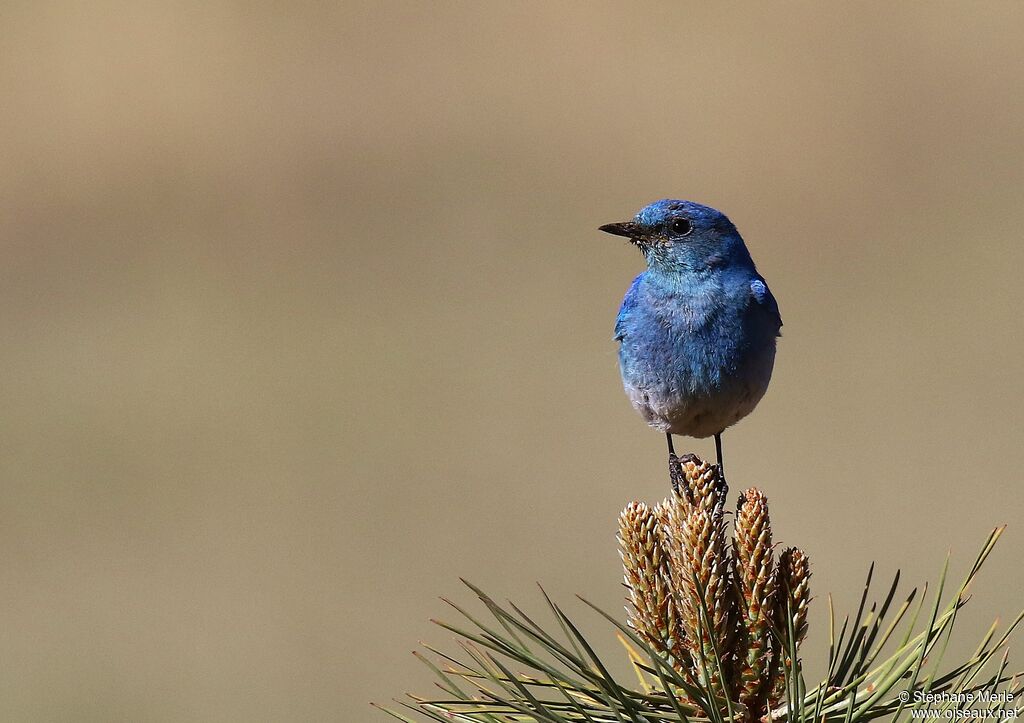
(697, 329)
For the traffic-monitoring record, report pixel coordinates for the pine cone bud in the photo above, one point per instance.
(652, 609)
(756, 585)
(701, 576)
(704, 484)
(794, 574)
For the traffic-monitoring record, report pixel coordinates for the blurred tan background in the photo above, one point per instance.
(305, 315)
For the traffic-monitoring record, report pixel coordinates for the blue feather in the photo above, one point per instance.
(697, 329)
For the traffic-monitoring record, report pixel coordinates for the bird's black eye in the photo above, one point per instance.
(681, 227)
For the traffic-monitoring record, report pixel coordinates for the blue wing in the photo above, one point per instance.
(628, 304)
(763, 296)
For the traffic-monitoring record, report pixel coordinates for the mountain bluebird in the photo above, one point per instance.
(697, 329)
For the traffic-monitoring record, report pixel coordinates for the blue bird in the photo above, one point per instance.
(697, 329)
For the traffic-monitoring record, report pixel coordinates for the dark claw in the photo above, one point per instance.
(675, 472)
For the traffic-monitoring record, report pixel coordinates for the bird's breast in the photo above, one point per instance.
(693, 359)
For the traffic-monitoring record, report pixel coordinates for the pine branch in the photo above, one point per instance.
(714, 633)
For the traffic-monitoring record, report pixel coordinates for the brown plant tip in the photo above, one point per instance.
(651, 609)
(794, 596)
(696, 483)
(795, 575)
(707, 604)
(692, 521)
(701, 572)
(756, 588)
(705, 483)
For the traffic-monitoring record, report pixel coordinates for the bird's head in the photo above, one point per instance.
(683, 236)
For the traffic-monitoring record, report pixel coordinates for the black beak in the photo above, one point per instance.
(626, 228)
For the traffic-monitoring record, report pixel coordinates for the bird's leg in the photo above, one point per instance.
(718, 453)
(675, 469)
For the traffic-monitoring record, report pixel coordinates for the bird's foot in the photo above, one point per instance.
(676, 474)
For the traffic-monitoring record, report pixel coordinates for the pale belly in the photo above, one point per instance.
(673, 403)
